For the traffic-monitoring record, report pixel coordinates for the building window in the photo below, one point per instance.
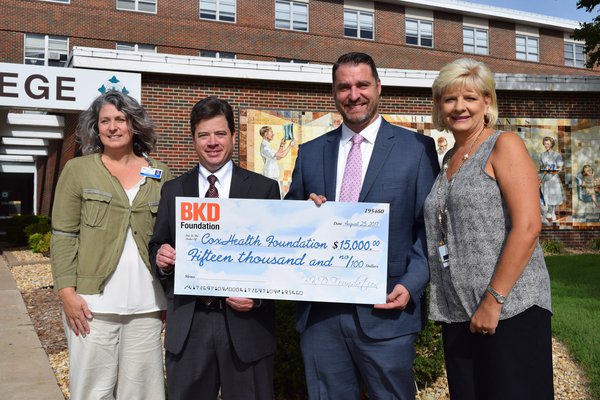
(291, 15)
(419, 32)
(218, 10)
(46, 50)
(358, 24)
(574, 55)
(527, 48)
(291, 60)
(475, 40)
(217, 54)
(142, 48)
(58, 1)
(148, 6)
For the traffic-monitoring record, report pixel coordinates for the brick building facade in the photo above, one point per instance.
(175, 28)
(174, 77)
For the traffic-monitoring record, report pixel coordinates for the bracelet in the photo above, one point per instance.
(499, 298)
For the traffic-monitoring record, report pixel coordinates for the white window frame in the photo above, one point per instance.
(145, 48)
(49, 55)
(528, 54)
(218, 54)
(575, 62)
(136, 6)
(477, 49)
(219, 14)
(359, 27)
(58, 1)
(528, 35)
(420, 36)
(289, 22)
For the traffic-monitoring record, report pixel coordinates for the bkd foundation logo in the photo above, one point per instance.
(205, 212)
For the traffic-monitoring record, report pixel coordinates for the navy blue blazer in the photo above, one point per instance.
(252, 333)
(401, 172)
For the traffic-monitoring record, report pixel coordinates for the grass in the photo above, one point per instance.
(575, 281)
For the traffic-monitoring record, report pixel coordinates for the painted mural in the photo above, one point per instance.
(566, 153)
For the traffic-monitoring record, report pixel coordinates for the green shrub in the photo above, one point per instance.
(40, 242)
(44, 247)
(34, 240)
(289, 369)
(42, 225)
(429, 363)
(595, 243)
(551, 246)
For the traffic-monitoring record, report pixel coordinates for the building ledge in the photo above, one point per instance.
(169, 64)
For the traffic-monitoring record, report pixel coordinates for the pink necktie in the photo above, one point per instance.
(351, 182)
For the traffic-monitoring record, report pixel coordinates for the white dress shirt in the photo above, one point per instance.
(223, 182)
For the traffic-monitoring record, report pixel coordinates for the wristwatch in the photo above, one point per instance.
(499, 298)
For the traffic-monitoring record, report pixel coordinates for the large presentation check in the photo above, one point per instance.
(287, 250)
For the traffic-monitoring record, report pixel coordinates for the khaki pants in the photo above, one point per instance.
(121, 358)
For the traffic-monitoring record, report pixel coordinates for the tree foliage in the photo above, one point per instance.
(590, 33)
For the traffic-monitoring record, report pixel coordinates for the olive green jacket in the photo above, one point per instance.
(90, 217)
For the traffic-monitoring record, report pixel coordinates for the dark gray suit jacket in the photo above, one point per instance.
(252, 333)
(401, 172)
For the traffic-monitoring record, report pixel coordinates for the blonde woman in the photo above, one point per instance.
(490, 288)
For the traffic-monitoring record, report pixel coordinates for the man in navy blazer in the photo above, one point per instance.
(224, 344)
(346, 345)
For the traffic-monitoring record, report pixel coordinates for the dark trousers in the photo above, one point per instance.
(338, 356)
(208, 363)
(515, 363)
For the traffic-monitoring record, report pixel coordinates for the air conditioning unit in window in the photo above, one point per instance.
(54, 56)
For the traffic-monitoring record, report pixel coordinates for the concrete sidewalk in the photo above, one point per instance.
(25, 371)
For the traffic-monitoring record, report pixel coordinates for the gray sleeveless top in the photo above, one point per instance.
(478, 224)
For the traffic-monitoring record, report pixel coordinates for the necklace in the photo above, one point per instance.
(466, 156)
(443, 206)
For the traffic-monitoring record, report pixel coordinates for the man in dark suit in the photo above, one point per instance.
(213, 343)
(344, 344)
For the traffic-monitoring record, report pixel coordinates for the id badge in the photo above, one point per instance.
(443, 253)
(151, 172)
